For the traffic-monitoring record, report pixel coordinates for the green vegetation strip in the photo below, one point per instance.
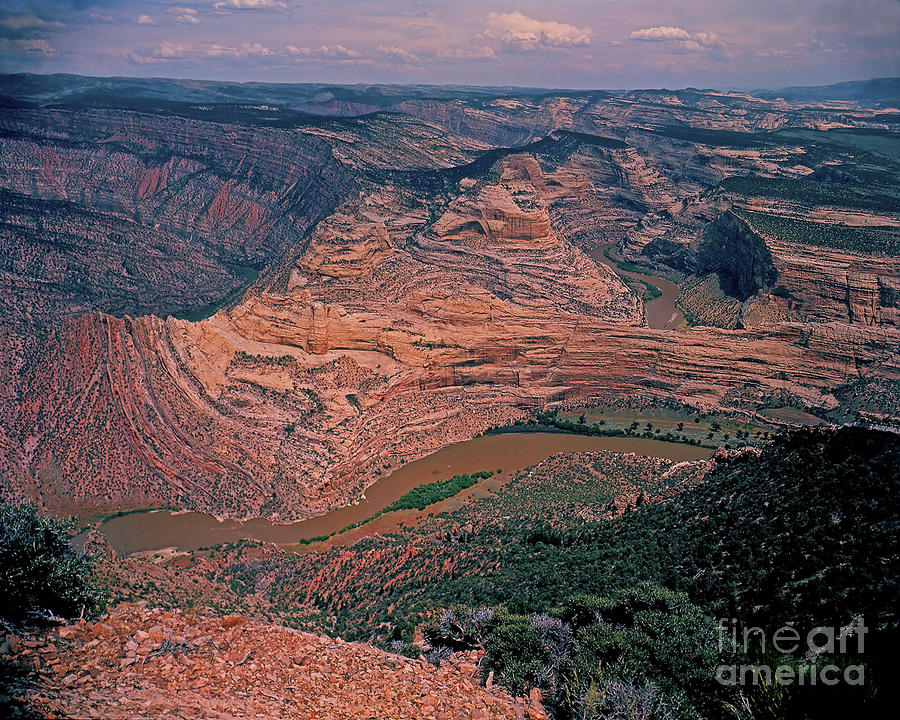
(813, 193)
(424, 495)
(418, 498)
(543, 421)
(831, 235)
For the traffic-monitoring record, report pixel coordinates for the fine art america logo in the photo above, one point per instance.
(819, 646)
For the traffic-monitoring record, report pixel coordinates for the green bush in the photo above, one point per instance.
(651, 292)
(44, 576)
(515, 655)
(644, 634)
(647, 633)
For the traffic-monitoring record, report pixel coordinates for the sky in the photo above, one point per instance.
(728, 44)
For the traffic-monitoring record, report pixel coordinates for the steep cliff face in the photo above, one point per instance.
(836, 283)
(737, 255)
(59, 258)
(230, 194)
(728, 247)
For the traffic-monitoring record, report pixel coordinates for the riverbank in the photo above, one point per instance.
(659, 295)
(507, 453)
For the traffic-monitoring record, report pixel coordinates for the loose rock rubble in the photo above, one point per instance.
(140, 663)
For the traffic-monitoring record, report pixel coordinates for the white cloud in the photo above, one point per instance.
(399, 54)
(707, 39)
(678, 36)
(249, 5)
(661, 34)
(144, 20)
(245, 50)
(185, 16)
(327, 51)
(518, 30)
(169, 50)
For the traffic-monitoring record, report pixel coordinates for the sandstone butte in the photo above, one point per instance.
(149, 664)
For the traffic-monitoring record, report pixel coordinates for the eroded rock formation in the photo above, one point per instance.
(408, 297)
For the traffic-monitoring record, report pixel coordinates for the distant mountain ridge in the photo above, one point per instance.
(65, 89)
(79, 90)
(877, 92)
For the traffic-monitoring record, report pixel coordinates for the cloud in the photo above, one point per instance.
(324, 51)
(169, 50)
(185, 16)
(483, 52)
(144, 20)
(706, 39)
(661, 34)
(28, 22)
(27, 46)
(347, 55)
(399, 54)
(249, 5)
(244, 50)
(518, 30)
(677, 36)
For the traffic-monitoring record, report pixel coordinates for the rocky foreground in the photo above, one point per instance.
(142, 663)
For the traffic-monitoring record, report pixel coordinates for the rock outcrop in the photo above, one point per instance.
(140, 663)
(739, 257)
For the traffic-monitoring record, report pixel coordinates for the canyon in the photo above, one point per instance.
(381, 280)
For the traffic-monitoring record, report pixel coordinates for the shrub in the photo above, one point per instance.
(587, 653)
(460, 629)
(646, 633)
(44, 576)
(410, 650)
(516, 655)
(616, 700)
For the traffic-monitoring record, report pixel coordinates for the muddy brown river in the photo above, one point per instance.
(662, 312)
(507, 452)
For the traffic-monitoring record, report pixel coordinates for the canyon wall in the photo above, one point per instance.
(415, 290)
